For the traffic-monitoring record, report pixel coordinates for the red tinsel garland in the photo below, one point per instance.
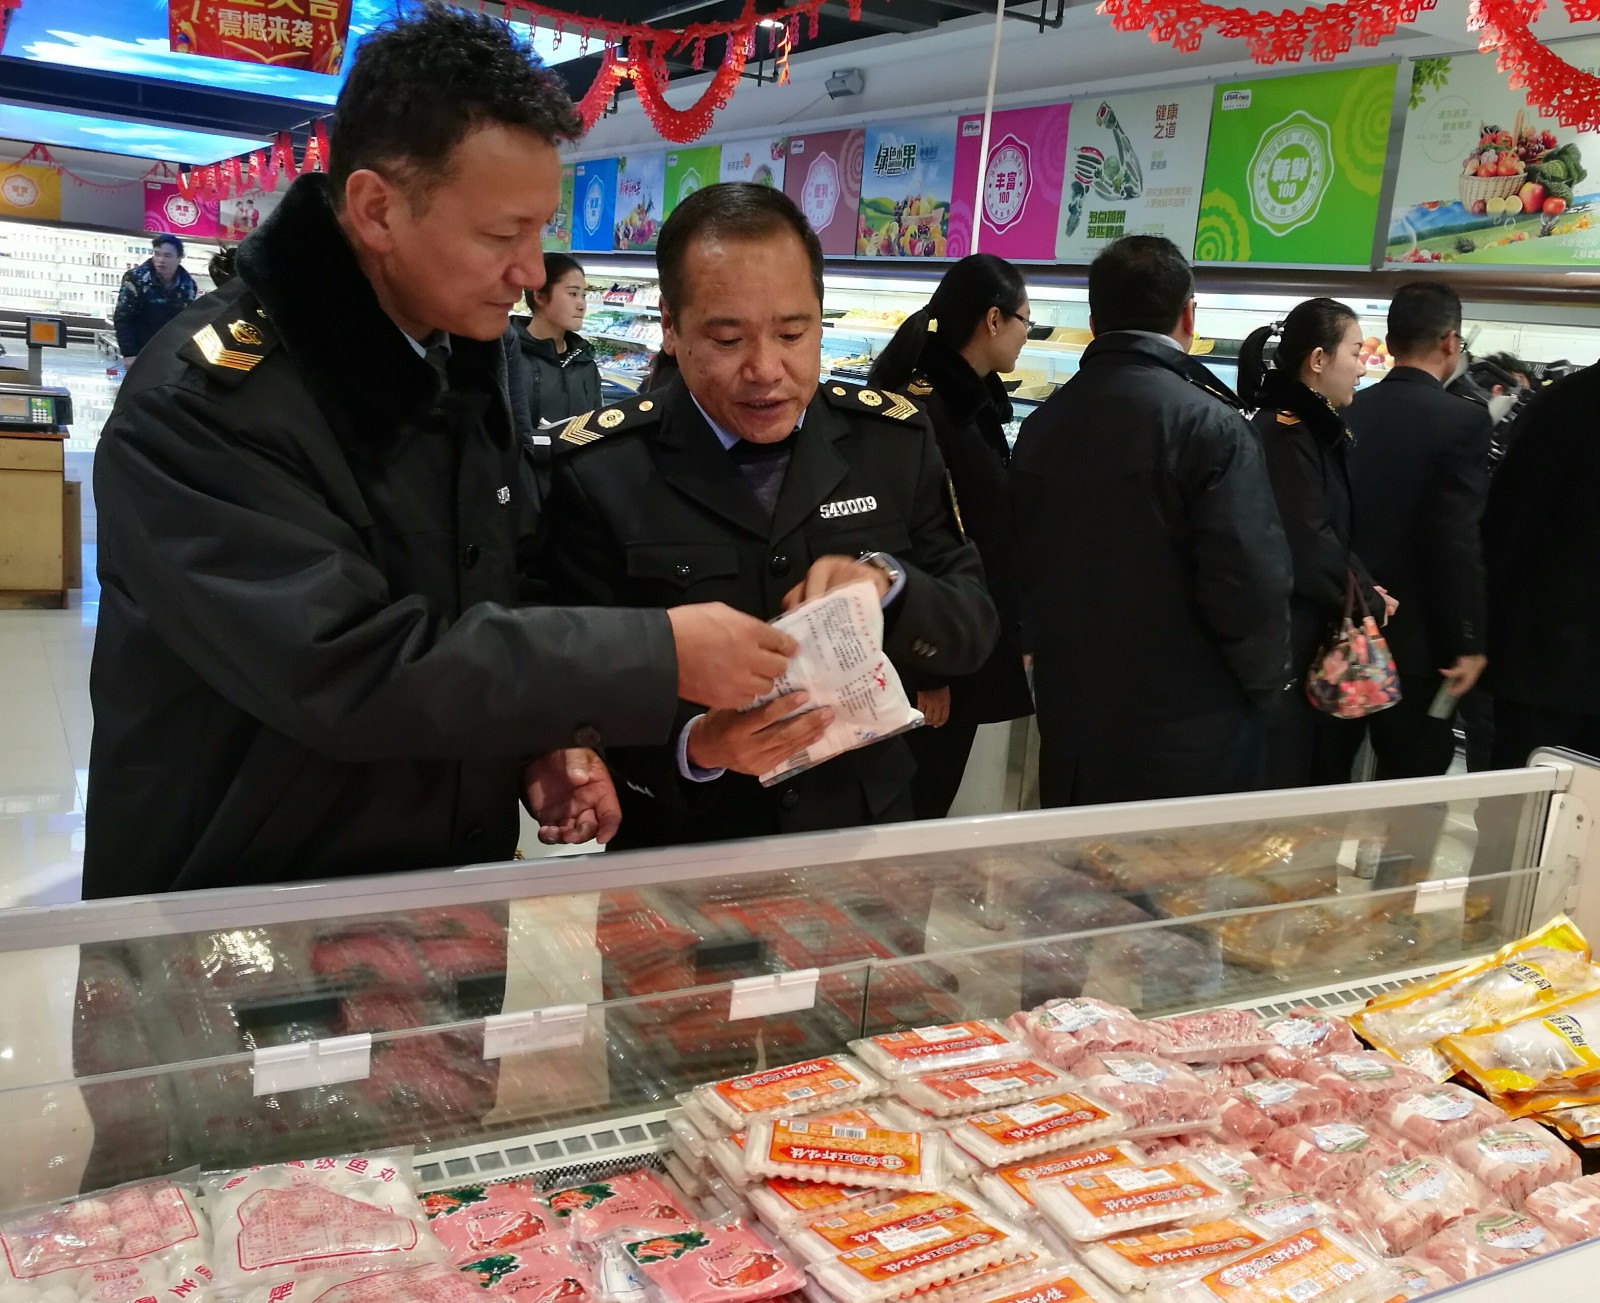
(44, 158)
(1552, 85)
(1325, 32)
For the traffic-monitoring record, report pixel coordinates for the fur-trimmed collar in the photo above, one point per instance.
(301, 267)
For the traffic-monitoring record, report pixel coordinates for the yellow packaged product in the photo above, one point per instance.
(1547, 966)
(1551, 1047)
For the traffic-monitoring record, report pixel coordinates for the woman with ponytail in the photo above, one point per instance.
(1311, 378)
(950, 356)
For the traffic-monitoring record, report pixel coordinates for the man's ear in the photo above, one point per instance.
(371, 206)
(669, 332)
(1186, 321)
(1092, 331)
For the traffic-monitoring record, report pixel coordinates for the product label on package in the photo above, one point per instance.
(1288, 1210)
(853, 1230)
(979, 1080)
(117, 1227)
(1354, 1068)
(1297, 1269)
(1419, 1179)
(1061, 1289)
(809, 1196)
(1512, 1147)
(827, 1144)
(1018, 1175)
(1298, 1033)
(1188, 1244)
(1116, 1191)
(1339, 1138)
(1140, 1072)
(1509, 1231)
(937, 1042)
(306, 1226)
(785, 1087)
(1054, 1116)
(1266, 1094)
(1069, 1016)
(962, 1234)
(1440, 1106)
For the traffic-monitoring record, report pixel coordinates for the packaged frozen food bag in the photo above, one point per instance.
(932, 1049)
(814, 1086)
(783, 1203)
(630, 1201)
(1413, 1201)
(1214, 1036)
(433, 1283)
(1417, 1277)
(845, 1231)
(809, 1150)
(1434, 1119)
(1243, 1171)
(1252, 1113)
(1307, 1033)
(1312, 1265)
(1156, 1259)
(1046, 1282)
(1009, 1187)
(1513, 1159)
(1066, 1031)
(1157, 1096)
(1496, 1237)
(474, 1220)
(1548, 965)
(1551, 1048)
(979, 1087)
(141, 1239)
(348, 1215)
(897, 1262)
(1064, 1121)
(727, 1154)
(1569, 1210)
(1329, 1158)
(1107, 1201)
(713, 1263)
(1362, 1082)
(554, 1272)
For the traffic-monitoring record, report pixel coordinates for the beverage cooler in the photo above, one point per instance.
(546, 1018)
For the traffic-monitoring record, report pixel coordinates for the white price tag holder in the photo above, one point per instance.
(1445, 893)
(756, 997)
(312, 1063)
(528, 1031)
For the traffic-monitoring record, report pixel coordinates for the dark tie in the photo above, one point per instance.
(763, 466)
(438, 357)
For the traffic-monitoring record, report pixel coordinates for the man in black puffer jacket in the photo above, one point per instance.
(1156, 575)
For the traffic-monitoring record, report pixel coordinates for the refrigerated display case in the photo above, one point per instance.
(76, 273)
(543, 1017)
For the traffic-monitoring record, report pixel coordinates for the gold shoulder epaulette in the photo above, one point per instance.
(633, 414)
(919, 388)
(876, 402)
(1288, 418)
(232, 345)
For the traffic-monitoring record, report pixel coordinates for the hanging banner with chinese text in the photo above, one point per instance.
(1021, 182)
(689, 170)
(907, 182)
(823, 176)
(759, 160)
(1293, 169)
(308, 35)
(641, 201)
(1486, 179)
(594, 204)
(1134, 165)
(31, 191)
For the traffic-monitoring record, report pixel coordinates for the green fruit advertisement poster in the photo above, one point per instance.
(1294, 168)
(689, 170)
(557, 235)
(907, 181)
(1484, 179)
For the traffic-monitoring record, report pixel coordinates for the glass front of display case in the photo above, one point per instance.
(509, 1002)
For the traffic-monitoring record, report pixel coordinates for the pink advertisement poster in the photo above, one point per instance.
(1021, 182)
(823, 176)
(167, 210)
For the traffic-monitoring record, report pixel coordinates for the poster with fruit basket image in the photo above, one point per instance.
(907, 180)
(641, 201)
(1484, 179)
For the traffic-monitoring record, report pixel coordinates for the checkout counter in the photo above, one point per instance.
(37, 566)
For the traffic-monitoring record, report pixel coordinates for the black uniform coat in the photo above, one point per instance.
(1156, 577)
(969, 416)
(1419, 470)
(1541, 537)
(308, 662)
(652, 511)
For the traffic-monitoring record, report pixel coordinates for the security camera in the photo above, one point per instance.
(845, 82)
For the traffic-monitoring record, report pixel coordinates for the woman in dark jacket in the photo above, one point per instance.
(559, 373)
(950, 355)
(1313, 376)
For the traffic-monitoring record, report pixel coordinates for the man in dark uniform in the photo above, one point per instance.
(744, 481)
(310, 661)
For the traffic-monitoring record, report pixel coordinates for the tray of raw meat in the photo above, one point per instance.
(1214, 1036)
(1063, 1121)
(1419, 1277)
(1362, 1082)
(1066, 1031)
(1414, 1200)
(1496, 1237)
(1252, 1113)
(1157, 1096)
(1434, 1119)
(1570, 1210)
(1328, 1158)
(1107, 1201)
(1513, 1159)
(1313, 1265)
(1305, 1033)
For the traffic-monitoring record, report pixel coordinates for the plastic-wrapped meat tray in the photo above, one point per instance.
(1159, 1258)
(1107, 1201)
(796, 1090)
(635, 1201)
(1570, 1210)
(1010, 1188)
(897, 1263)
(1419, 1277)
(373, 958)
(811, 1150)
(476, 1221)
(544, 1273)
(846, 1231)
(712, 1263)
(1048, 1282)
(934, 1049)
(1312, 1265)
(1411, 1202)
(1064, 1121)
(1244, 1172)
(1513, 1159)
(1213, 1036)
(1252, 1113)
(979, 1087)
(1068, 1031)
(1362, 1082)
(1493, 1238)
(1435, 1119)
(1306, 1033)
(1157, 1096)
(1223, 1077)
(1329, 1158)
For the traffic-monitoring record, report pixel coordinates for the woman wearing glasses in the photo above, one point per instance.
(949, 356)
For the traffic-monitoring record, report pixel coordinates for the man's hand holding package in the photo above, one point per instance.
(830, 572)
(725, 658)
(754, 741)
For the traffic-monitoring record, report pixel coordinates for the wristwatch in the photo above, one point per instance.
(884, 562)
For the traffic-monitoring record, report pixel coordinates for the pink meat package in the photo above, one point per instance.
(1214, 1036)
(1569, 1210)
(1435, 1119)
(1157, 1096)
(1066, 1031)
(1304, 1033)
(1496, 1237)
(1362, 1082)
(537, 1273)
(1513, 1159)
(475, 1221)
(1252, 1113)
(1250, 1176)
(435, 1283)
(1411, 1202)
(636, 1201)
(713, 1263)
(1327, 1158)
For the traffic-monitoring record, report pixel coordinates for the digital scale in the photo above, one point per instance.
(34, 408)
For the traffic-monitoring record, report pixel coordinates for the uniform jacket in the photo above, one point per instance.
(309, 661)
(144, 305)
(652, 511)
(1541, 536)
(969, 417)
(1419, 469)
(1306, 444)
(1157, 585)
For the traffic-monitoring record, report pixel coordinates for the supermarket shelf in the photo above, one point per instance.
(638, 309)
(621, 339)
(549, 1154)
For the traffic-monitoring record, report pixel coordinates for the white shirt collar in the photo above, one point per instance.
(723, 437)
